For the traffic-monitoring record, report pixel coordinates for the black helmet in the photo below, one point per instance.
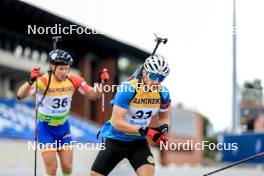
(60, 57)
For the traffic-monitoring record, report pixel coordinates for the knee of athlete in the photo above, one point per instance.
(51, 169)
(146, 174)
(67, 168)
(145, 171)
(92, 173)
(150, 172)
(51, 173)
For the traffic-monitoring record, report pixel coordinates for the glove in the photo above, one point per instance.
(153, 135)
(162, 129)
(34, 74)
(103, 76)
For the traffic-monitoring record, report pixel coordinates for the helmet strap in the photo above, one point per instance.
(53, 71)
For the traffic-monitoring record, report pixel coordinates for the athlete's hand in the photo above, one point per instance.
(103, 76)
(34, 74)
(153, 134)
(162, 129)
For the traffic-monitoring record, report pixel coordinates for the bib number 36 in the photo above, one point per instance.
(57, 103)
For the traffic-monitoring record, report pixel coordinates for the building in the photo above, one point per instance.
(20, 50)
(186, 131)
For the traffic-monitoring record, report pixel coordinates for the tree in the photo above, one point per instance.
(252, 93)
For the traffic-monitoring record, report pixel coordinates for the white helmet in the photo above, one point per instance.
(157, 64)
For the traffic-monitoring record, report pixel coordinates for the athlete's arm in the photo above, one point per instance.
(163, 114)
(164, 118)
(25, 89)
(93, 93)
(119, 121)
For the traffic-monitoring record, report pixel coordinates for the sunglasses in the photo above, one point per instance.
(155, 77)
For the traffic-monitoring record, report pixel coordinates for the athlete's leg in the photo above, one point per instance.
(141, 158)
(66, 157)
(145, 170)
(93, 173)
(50, 162)
(46, 139)
(108, 158)
(66, 152)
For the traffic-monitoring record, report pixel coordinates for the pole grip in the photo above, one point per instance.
(55, 40)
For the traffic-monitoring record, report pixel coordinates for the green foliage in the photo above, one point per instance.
(129, 70)
(210, 154)
(252, 93)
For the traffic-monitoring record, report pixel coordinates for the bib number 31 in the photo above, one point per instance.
(141, 115)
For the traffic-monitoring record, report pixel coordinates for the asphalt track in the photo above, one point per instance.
(124, 169)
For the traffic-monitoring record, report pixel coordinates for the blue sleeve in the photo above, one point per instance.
(125, 93)
(165, 100)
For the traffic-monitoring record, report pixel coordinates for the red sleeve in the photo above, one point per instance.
(79, 84)
(42, 84)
